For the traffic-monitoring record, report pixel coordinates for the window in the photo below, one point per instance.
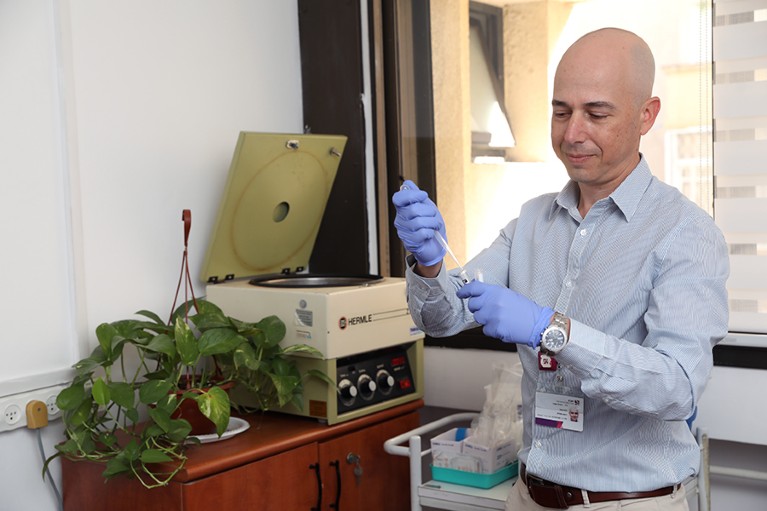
(478, 200)
(740, 150)
(490, 128)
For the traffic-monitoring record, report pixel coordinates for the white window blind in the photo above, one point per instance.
(740, 154)
(38, 343)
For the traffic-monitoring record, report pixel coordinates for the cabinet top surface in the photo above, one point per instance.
(272, 433)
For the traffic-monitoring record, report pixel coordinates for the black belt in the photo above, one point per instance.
(557, 496)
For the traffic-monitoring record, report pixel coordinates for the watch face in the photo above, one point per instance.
(555, 339)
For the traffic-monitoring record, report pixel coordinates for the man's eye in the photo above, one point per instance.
(561, 115)
(597, 115)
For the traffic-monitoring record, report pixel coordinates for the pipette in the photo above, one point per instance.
(442, 241)
(461, 272)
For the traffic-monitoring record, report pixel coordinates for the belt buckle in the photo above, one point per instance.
(534, 480)
(545, 493)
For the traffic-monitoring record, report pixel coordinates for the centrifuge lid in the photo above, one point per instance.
(275, 196)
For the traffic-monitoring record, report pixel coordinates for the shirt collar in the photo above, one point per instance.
(626, 197)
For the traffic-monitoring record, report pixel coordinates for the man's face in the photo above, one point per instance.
(596, 123)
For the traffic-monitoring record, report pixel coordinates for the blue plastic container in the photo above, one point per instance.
(451, 475)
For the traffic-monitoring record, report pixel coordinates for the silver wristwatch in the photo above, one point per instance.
(554, 338)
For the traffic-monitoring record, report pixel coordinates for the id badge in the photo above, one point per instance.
(559, 411)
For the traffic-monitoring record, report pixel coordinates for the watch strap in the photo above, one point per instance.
(559, 320)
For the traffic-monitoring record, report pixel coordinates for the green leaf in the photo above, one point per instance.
(303, 349)
(219, 340)
(154, 390)
(283, 366)
(68, 447)
(286, 385)
(105, 333)
(147, 329)
(116, 466)
(186, 343)
(214, 404)
(132, 415)
(129, 328)
(245, 356)
(297, 400)
(123, 394)
(87, 365)
(274, 328)
(108, 439)
(154, 456)
(87, 445)
(184, 310)
(151, 315)
(80, 414)
(71, 397)
(202, 307)
(132, 450)
(169, 403)
(100, 392)
(322, 376)
(162, 343)
(154, 431)
(210, 319)
(258, 338)
(160, 417)
(179, 429)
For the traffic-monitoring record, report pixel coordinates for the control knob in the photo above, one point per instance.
(385, 381)
(367, 386)
(347, 390)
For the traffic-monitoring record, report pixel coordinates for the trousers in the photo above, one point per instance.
(519, 500)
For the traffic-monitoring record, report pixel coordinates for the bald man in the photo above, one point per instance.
(613, 290)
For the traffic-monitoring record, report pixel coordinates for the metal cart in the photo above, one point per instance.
(454, 497)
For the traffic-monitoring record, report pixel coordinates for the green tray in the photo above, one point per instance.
(451, 475)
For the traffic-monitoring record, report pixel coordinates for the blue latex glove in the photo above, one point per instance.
(417, 219)
(506, 314)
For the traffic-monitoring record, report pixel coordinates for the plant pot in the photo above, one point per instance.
(190, 411)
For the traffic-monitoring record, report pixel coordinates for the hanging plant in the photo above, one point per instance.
(137, 422)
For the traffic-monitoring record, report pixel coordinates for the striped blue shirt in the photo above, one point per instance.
(642, 278)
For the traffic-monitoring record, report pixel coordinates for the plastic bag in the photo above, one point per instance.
(500, 420)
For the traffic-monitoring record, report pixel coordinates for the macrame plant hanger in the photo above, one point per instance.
(185, 277)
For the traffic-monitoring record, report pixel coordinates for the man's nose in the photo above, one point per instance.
(575, 131)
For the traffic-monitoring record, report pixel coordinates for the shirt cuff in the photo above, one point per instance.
(585, 348)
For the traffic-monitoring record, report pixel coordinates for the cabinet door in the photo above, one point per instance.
(384, 483)
(285, 481)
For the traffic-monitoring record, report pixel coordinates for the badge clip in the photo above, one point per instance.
(546, 362)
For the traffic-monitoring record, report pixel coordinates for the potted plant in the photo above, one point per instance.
(131, 403)
(131, 419)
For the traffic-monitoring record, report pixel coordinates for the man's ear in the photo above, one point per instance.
(649, 113)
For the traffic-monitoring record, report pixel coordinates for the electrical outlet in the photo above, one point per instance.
(53, 408)
(12, 414)
(13, 407)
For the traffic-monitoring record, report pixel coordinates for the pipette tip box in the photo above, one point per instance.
(458, 459)
(451, 475)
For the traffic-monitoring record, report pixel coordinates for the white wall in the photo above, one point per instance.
(155, 95)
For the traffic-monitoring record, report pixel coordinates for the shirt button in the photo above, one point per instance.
(538, 444)
(569, 284)
(584, 232)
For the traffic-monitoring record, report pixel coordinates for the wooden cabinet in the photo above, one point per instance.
(280, 463)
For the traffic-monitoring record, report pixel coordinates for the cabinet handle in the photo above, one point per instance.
(337, 465)
(316, 468)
